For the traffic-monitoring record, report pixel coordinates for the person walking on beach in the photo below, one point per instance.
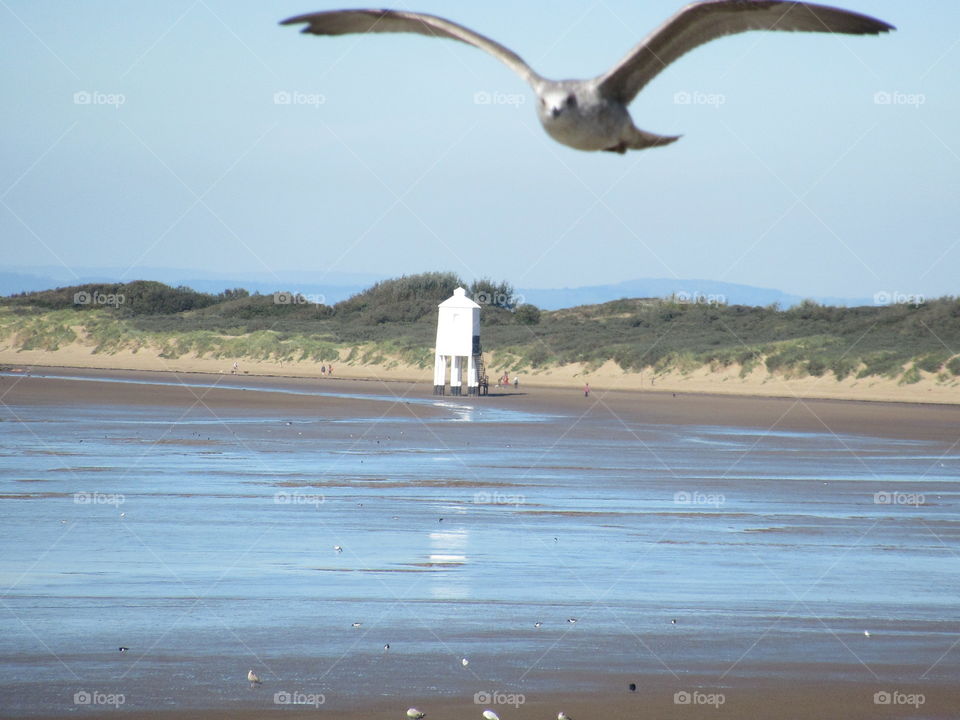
(586, 390)
(330, 371)
(323, 370)
(516, 382)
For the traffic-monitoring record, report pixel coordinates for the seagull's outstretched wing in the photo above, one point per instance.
(344, 22)
(702, 22)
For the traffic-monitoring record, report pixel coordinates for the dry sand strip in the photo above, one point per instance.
(931, 422)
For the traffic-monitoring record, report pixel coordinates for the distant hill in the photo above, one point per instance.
(332, 289)
(703, 291)
(336, 287)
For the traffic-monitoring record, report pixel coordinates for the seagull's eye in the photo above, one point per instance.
(571, 101)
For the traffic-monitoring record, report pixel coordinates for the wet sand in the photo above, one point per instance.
(933, 422)
(652, 699)
(218, 393)
(755, 690)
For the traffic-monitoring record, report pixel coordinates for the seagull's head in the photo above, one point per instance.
(556, 103)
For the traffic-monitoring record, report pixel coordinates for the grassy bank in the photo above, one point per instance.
(394, 322)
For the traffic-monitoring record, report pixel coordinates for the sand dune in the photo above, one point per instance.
(609, 376)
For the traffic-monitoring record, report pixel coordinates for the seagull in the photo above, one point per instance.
(337, 548)
(464, 662)
(415, 714)
(123, 648)
(866, 633)
(633, 687)
(356, 625)
(253, 678)
(538, 624)
(592, 115)
(572, 621)
(563, 716)
(490, 715)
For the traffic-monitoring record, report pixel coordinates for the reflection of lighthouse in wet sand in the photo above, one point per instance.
(458, 340)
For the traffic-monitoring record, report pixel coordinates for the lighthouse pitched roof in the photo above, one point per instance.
(459, 299)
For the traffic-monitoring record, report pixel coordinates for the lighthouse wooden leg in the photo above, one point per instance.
(439, 374)
(473, 384)
(456, 376)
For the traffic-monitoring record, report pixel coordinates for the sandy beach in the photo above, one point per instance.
(767, 652)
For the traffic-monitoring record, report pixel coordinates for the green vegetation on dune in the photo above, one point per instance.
(395, 321)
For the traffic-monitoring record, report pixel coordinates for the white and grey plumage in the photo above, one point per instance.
(253, 678)
(415, 714)
(592, 114)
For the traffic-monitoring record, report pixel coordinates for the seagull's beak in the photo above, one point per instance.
(555, 111)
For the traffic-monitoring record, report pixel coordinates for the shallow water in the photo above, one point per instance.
(206, 545)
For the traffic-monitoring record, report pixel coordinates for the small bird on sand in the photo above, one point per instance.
(490, 715)
(337, 548)
(464, 662)
(415, 714)
(386, 647)
(866, 633)
(572, 621)
(592, 114)
(538, 624)
(355, 625)
(673, 622)
(253, 678)
(633, 687)
(123, 648)
(563, 716)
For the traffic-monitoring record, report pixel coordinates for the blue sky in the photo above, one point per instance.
(157, 134)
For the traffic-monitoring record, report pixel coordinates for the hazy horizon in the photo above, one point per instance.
(341, 286)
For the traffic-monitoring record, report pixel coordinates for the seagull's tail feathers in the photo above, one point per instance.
(638, 139)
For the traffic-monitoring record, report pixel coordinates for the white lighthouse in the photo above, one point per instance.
(458, 341)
